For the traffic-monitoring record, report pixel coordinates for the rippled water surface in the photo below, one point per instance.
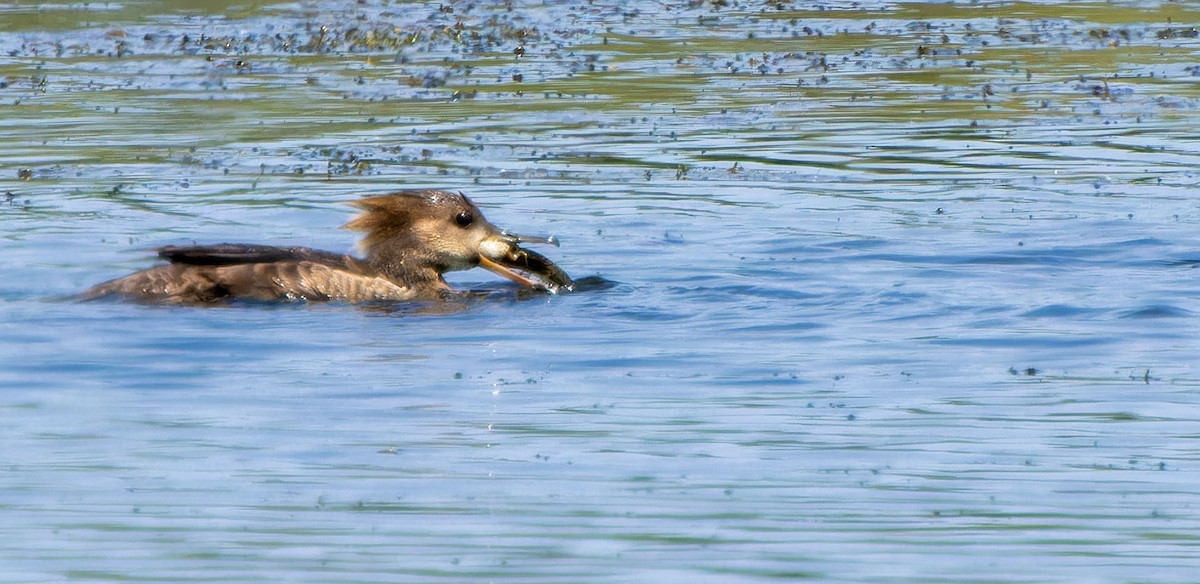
(908, 292)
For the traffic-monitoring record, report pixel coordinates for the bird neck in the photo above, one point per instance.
(403, 265)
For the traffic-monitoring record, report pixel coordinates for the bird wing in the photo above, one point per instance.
(227, 254)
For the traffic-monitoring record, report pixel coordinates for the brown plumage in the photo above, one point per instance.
(411, 239)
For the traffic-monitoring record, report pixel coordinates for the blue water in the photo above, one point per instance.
(880, 349)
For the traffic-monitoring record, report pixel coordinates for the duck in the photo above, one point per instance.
(411, 238)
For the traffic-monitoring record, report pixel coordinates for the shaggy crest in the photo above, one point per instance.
(391, 216)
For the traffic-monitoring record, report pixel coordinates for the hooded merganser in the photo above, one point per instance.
(412, 238)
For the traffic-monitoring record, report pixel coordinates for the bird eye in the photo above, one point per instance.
(464, 219)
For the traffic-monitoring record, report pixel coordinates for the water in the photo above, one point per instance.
(892, 306)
